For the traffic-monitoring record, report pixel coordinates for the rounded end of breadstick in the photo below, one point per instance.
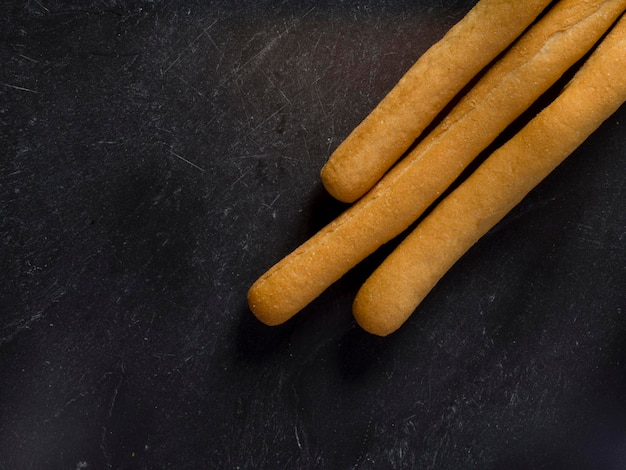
(386, 299)
(373, 317)
(338, 184)
(267, 305)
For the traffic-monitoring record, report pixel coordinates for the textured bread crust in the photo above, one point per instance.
(402, 281)
(377, 143)
(556, 42)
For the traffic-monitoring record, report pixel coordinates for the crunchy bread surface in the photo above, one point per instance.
(440, 73)
(561, 38)
(402, 281)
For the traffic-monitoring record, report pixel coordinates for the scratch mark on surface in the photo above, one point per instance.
(20, 88)
(162, 129)
(130, 64)
(240, 178)
(295, 430)
(192, 88)
(258, 56)
(439, 446)
(278, 88)
(271, 204)
(68, 403)
(319, 100)
(238, 71)
(116, 390)
(206, 274)
(213, 43)
(205, 31)
(172, 64)
(219, 62)
(256, 155)
(317, 43)
(187, 161)
(19, 327)
(42, 6)
(270, 117)
(163, 72)
(30, 59)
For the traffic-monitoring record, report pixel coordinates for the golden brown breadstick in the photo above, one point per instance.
(395, 289)
(557, 41)
(383, 136)
(504, 78)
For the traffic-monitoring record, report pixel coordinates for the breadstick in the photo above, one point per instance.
(383, 136)
(503, 78)
(557, 41)
(401, 282)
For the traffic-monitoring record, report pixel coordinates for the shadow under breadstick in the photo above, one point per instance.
(395, 289)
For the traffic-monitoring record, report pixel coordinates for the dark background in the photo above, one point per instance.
(157, 157)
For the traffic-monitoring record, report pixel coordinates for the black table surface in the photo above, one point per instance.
(157, 157)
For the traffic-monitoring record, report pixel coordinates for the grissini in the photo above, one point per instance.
(395, 289)
(558, 40)
(431, 83)
(505, 78)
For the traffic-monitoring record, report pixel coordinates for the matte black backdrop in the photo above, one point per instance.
(158, 156)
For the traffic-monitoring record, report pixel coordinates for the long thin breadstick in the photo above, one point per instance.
(505, 79)
(395, 289)
(377, 143)
(557, 41)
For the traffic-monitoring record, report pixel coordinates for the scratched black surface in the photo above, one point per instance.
(158, 156)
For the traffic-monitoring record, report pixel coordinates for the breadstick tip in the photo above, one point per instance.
(374, 318)
(264, 306)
